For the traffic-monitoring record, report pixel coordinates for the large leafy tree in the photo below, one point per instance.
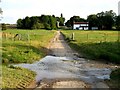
(19, 24)
(118, 22)
(69, 23)
(53, 22)
(35, 23)
(44, 19)
(108, 22)
(93, 21)
(106, 19)
(27, 23)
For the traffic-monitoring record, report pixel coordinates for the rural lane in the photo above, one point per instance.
(62, 68)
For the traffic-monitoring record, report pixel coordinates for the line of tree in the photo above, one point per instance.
(104, 20)
(40, 22)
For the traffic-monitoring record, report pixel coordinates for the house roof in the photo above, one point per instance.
(80, 22)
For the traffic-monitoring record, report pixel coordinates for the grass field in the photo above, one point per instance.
(97, 45)
(30, 47)
(26, 50)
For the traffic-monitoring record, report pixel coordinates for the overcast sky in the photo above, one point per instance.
(14, 9)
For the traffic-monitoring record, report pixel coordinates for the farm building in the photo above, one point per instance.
(81, 25)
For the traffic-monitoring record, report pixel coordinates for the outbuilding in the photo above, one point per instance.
(81, 25)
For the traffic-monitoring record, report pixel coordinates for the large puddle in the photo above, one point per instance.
(51, 67)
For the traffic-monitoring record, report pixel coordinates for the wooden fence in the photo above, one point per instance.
(100, 37)
(15, 37)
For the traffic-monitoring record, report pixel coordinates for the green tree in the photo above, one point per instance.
(61, 20)
(47, 26)
(108, 22)
(37, 22)
(69, 23)
(74, 19)
(27, 23)
(106, 19)
(117, 22)
(44, 18)
(36, 26)
(93, 21)
(53, 22)
(19, 24)
(4, 26)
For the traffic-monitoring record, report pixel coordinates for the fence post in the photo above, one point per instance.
(19, 37)
(105, 37)
(87, 37)
(28, 37)
(73, 38)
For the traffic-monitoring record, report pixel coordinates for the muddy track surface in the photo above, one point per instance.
(65, 68)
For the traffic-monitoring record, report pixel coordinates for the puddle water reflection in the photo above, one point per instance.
(51, 67)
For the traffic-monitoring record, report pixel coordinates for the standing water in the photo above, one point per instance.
(51, 67)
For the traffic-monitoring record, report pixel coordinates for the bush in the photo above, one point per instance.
(5, 60)
(4, 26)
(115, 75)
(47, 26)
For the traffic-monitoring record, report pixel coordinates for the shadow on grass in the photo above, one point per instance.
(106, 51)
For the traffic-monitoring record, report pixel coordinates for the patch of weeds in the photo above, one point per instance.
(115, 75)
(114, 81)
(14, 67)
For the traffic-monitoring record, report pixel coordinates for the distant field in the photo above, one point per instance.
(98, 45)
(27, 47)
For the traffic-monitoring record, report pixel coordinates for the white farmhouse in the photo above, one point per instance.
(81, 25)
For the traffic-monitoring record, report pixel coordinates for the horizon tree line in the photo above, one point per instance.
(40, 22)
(107, 20)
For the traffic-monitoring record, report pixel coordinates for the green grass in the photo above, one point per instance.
(27, 50)
(15, 77)
(114, 81)
(97, 45)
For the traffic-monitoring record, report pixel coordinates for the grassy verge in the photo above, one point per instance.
(15, 77)
(114, 81)
(31, 46)
(97, 45)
